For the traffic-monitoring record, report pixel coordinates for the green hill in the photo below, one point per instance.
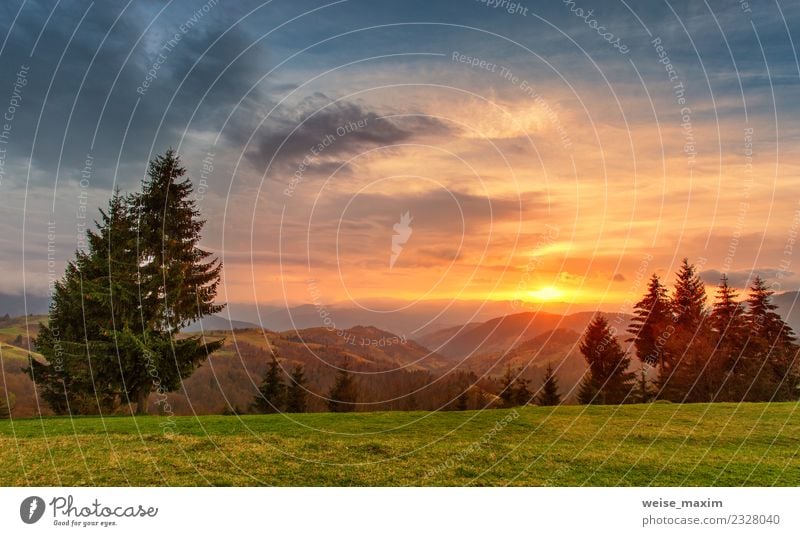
(637, 445)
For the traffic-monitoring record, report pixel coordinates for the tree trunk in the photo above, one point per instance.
(141, 401)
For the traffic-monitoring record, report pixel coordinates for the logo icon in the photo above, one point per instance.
(402, 232)
(31, 510)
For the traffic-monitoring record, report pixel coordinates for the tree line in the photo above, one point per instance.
(732, 351)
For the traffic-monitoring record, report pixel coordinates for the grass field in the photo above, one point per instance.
(656, 444)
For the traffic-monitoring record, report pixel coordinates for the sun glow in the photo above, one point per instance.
(546, 294)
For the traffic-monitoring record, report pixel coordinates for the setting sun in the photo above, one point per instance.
(546, 294)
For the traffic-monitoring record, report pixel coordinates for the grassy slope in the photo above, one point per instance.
(657, 444)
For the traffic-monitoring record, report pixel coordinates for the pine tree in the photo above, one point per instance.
(770, 356)
(652, 316)
(548, 394)
(507, 388)
(687, 347)
(521, 393)
(608, 380)
(729, 332)
(296, 392)
(689, 298)
(116, 313)
(344, 394)
(272, 392)
(177, 283)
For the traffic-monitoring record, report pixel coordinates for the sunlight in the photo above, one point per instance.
(546, 294)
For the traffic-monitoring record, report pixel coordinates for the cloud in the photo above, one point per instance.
(742, 278)
(320, 128)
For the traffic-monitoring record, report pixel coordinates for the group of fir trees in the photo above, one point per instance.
(515, 390)
(275, 396)
(731, 351)
(111, 338)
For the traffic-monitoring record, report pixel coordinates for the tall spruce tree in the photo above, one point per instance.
(770, 356)
(650, 324)
(689, 297)
(729, 333)
(548, 394)
(608, 380)
(296, 391)
(178, 280)
(272, 392)
(687, 347)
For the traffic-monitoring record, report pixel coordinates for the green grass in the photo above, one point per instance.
(656, 444)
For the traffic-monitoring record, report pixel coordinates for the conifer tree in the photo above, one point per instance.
(344, 394)
(687, 347)
(608, 380)
(521, 394)
(296, 391)
(689, 297)
(770, 367)
(177, 283)
(507, 388)
(116, 313)
(272, 392)
(652, 316)
(548, 394)
(729, 333)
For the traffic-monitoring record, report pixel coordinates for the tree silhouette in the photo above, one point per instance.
(296, 391)
(770, 367)
(608, 380)
(688, 347)
(652, 316)
(548, 394)
(272, 392)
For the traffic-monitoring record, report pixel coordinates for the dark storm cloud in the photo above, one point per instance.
(95, 91)
(322, 127)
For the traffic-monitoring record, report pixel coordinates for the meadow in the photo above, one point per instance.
(659, 444)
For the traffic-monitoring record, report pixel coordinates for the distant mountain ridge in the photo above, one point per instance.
(219, 323)
(506, 332)
(20, 305)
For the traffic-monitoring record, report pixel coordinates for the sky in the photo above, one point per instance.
(367, 152)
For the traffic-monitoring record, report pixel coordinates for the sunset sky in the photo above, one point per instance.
(537, 159)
